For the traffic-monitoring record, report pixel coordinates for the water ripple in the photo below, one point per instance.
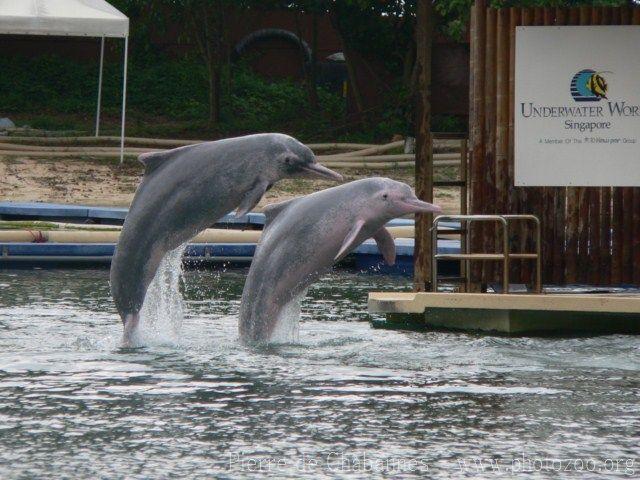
(346, 401)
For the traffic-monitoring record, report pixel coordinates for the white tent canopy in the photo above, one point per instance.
(81, 18)
(90, 18)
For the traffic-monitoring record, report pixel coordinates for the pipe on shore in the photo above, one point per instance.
(386, 158)
(98, 140)
(372, 149)
(211, 235)
(165, 142)
(387, 165)
(8, 147)
(88, 153)
(339, 146)
(382, 162)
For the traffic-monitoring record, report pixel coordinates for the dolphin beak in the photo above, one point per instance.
(317, 170)
(414, 205)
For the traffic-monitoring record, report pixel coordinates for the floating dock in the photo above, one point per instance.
(364, 258)
(513, 314)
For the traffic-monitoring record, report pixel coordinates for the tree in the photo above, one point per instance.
(374, 29)
(313, 8)
(208, 27)
(206, 24)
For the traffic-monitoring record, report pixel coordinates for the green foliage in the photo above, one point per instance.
(448, 123)
(54, 92)
(257, 105)
(383, 29)
(454, 17)
(41, 88)
(51, 83)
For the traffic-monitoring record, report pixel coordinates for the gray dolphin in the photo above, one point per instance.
(186, 190)
(303, 237)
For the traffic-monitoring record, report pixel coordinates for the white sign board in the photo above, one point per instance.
(577, 106)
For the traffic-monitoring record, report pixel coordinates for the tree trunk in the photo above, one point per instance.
(351, 72)
(308, 69)
(353, 82)
(408, 67)
(424, 155)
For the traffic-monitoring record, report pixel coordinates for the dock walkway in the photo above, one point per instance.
(520, 314)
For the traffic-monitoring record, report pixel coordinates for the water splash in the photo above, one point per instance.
(287, 329)
(163, 310)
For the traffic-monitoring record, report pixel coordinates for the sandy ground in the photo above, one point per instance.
(92, 182)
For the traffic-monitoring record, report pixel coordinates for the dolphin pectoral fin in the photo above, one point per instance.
(252, 198)
(386, 245)
(349, 241)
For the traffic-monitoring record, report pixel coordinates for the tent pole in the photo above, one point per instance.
(124, 97)
(100, 88)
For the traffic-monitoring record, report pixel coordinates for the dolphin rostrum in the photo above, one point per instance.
(303, 237)
(188, 189)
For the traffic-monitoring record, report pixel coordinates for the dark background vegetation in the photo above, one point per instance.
(184, 81)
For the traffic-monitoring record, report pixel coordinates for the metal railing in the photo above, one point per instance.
(467, 256)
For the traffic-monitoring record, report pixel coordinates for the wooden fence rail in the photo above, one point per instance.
(589, 234)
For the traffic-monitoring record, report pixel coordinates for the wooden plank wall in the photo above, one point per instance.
(589, 235)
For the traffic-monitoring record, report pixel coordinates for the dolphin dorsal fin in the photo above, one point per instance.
(152, 160)
(273, 210)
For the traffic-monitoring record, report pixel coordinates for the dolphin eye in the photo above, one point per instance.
(385, 196)
(289, 160)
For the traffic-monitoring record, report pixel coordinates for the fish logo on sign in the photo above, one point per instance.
(588, 86)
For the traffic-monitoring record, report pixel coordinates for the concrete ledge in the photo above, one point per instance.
(400, 302)
(512, 314)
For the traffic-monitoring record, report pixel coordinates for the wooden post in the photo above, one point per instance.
(492, 238)
(513, 193)
(526, 195)
(424, 154)
(464, 206)
(583, 198)
(560, 201)
(635, 247)
(617, 223)
(465, 267)
(502, 115)
(536, 196)
(571, 257)
(622, 17)
(592, 275)
(549, 198)
(476, 129)
(609, 17)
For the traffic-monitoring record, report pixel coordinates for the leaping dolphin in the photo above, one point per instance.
(186, 190)
(303, 237)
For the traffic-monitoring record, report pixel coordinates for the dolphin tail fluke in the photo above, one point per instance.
(130, 334)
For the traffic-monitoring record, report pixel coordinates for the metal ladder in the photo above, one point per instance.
(467, 256)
